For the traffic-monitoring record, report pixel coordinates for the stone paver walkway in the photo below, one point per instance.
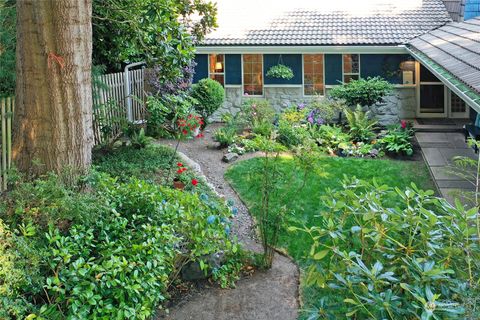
(439, 148)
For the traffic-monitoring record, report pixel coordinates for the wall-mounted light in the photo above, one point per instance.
(218, 66)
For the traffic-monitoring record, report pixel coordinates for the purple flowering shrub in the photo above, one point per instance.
(180, 84)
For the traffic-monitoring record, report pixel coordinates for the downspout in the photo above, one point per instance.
(128, 91)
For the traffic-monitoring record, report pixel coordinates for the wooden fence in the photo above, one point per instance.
(110, 103)
(109, 113)
(6, 113)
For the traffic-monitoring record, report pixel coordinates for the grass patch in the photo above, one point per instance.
(304, 204)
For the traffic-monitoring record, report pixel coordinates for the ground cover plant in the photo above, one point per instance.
(112, 246)
(305, 205)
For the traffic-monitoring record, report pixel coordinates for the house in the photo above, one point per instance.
(326, 43)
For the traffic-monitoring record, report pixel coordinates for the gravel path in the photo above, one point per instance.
(271, 294)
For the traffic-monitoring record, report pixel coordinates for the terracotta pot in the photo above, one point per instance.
(178, 185)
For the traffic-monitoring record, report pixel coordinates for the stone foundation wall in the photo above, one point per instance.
(401, 104)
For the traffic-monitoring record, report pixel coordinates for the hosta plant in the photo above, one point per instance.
(398, 139)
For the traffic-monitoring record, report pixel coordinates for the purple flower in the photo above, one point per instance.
(310, 120)
(301, 106)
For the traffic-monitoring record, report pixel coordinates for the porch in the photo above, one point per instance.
(439, 148)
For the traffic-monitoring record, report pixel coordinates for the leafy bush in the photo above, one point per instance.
(291, 135)
(19, 273)
(360, 125)
(111, 252)
(384, 253)
(225, 135)
(398, 139)
(7, 44)
(330, 137)
(123, 263)
(165, 111)
(256, 111)
(323, 110)
(364, 92)
(263, 128)
(210, 96)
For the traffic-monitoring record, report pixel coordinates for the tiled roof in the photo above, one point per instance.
(325, 22)
(455, 8)
(456, 48)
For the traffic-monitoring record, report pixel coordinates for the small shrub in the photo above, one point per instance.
(263, 128)
(322, 110)
(384, 253)
(210, 96)
(295, 114)
(330, 137)
(139, 140)
(398, 139)
(256, 111)
(165, 111)
(225, 136)
(291, 135)
(363, 92)
(360, 125)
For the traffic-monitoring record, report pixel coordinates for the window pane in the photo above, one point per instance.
(313, 74)
(351, 63)
(217, 63)
(252, 74)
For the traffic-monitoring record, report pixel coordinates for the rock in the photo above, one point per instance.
(192, 271)
(230, 157)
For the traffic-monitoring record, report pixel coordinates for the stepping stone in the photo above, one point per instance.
(434, 157)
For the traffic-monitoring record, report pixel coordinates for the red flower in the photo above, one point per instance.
(179, 164)
(200, 135)
(194, 182)
(184, 131)
(179, 171)
(403, 123)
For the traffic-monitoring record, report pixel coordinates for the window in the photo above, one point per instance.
(253, 74)
(313, 74)
(351, 67)
(216, 68)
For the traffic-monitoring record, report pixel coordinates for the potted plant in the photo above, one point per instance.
(178, 180)
(280, 71)
(190, 125)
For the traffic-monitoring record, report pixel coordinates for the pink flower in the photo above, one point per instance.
(403, 123)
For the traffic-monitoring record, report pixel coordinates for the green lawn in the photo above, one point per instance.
(304, 203)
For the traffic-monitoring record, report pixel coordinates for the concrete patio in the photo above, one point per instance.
(439, 148)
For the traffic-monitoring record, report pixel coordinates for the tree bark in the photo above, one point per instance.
(53, 113)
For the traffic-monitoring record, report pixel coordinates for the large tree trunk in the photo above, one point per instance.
(53, 114)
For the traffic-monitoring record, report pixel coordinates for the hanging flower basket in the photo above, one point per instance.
(280, 71)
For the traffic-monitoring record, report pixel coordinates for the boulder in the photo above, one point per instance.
(192, 271)
(230, 157)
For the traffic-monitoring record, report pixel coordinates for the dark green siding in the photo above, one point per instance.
(386, 66)
(293, 61)
(233, 69)
(333, 69)
(201, 70)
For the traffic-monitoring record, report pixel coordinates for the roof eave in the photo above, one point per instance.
(459, 87)
(297, 49)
